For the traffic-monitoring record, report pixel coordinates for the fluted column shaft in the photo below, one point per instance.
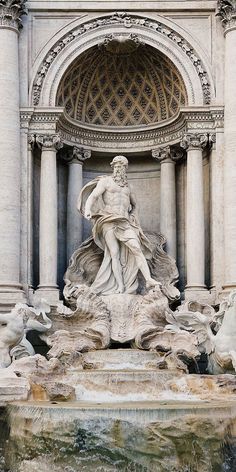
(168, 197)
(48, 219)
(227, 12)
(195, 228)
(9, 153)
(75, 159)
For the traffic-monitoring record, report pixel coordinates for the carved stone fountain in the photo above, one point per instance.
(121, 343)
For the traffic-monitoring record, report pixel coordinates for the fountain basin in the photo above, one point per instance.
(131, 436)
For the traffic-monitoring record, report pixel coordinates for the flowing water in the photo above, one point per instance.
(159, 436)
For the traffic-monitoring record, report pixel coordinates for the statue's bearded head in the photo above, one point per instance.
(119, 165)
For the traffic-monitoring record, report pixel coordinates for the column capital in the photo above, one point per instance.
(194, 141)
(227, 13)
(80, 154)
(31, 140)
(11, 12)
(167, 154)
(49, 141)
(77, 155)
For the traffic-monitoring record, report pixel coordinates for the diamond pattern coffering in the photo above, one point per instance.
(141, 88)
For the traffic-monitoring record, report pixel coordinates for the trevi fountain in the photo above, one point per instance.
(117, 236)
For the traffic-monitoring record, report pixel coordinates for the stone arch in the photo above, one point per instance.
(160, 34)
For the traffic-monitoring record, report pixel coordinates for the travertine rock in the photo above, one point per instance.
(59, 391)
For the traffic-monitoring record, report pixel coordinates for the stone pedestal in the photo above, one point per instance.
(227, 12)
(195, 228)
(10, 287)
(48, 288)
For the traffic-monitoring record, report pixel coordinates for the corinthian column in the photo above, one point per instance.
(48, 217)
(10, 23)
(227, 13)
(167, 158)
(75, 160)
(195, 228)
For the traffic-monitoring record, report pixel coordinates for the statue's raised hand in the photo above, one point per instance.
(88, 215)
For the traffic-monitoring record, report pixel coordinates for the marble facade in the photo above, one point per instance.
(83, 81)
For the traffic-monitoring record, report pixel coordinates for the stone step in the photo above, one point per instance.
(119, 359)
(120, 385)
(13, 389)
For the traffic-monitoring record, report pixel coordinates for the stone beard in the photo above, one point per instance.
(120, 176)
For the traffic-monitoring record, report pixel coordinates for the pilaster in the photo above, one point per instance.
(227, 14)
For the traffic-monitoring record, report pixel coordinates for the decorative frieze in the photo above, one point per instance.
(227, 13)
(128, 21)
(48, 141)
(11, 12)
(194, 141)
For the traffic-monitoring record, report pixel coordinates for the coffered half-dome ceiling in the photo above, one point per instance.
(122, 87)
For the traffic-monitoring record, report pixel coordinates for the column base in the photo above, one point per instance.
(200, 294)
(10, 295)
(49, 293)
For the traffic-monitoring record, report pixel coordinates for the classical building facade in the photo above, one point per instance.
(82, 81)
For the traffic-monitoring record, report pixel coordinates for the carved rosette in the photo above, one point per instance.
(227, 13)
(167, 154)
(11, 12)
(49, 141)
(76, 154)
(194, 141)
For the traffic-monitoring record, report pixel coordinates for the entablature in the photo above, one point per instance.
(132, 139)
(108, 5)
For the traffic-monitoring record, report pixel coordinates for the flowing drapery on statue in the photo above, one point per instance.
(109, 203)
(120, 280)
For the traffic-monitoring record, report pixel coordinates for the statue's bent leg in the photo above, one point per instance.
(135, 248)
(114, 249)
